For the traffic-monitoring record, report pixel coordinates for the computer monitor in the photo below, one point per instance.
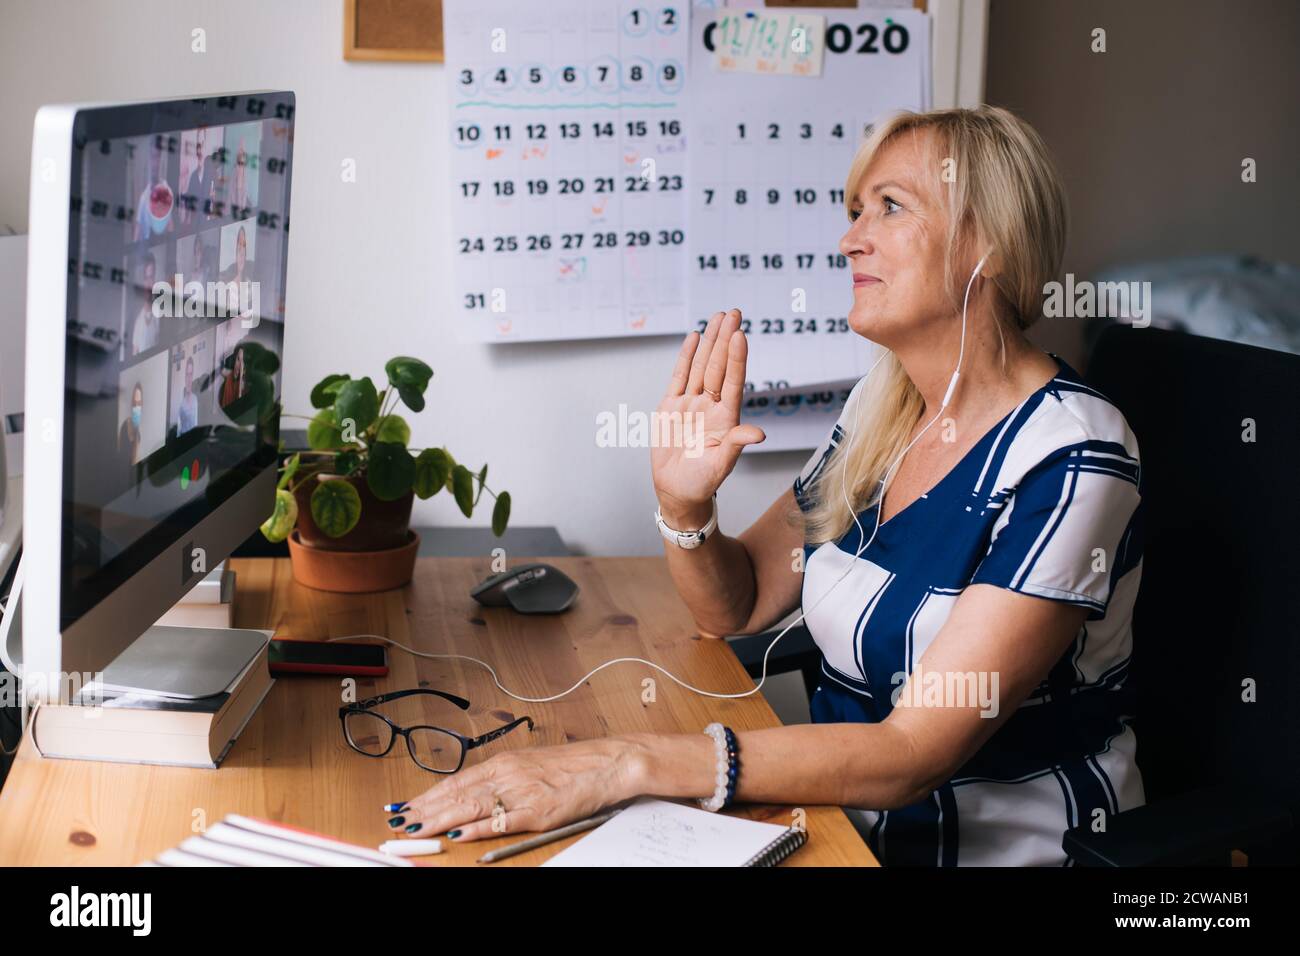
(157, 255)
(13, 279)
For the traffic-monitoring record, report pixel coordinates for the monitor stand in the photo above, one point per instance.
(183, 662)
(164, 661)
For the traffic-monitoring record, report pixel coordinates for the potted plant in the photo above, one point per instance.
(345, 505)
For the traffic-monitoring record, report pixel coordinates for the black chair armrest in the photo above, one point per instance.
(795, 652)
(1194, 828)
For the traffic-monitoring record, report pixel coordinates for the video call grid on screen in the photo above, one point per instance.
(178, 234)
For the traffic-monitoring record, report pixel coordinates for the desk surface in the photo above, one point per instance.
(291, 764)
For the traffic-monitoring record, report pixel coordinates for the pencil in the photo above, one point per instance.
(550, 836)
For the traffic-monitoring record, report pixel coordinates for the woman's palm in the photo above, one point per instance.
(699, 435)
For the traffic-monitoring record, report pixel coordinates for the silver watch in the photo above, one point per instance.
(688, 540)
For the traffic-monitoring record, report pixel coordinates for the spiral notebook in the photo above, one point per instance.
(659, 833)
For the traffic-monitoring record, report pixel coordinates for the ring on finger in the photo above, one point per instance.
(716, 396)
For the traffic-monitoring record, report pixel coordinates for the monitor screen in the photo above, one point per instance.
(175, 319)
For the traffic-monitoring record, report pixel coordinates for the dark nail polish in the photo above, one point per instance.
(396, 821)
(452, 834)
(396, 807)
(414, 827)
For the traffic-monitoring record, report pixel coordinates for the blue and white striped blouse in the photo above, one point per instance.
(1047, 503)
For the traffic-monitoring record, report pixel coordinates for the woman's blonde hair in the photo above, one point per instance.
(1004, 196)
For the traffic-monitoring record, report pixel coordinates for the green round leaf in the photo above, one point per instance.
(390, 471)
(451, 468)
(501, 513)
(393, 428)
(432, 470)
(405, 370)
(346, 462)
(331, 391)
(323, 431)
(410, 377)
(283, 518)
(413, 397)
(322, 396)
(358, 401)
(462, 486)
(335, 507)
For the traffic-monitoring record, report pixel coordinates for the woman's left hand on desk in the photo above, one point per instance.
(526, 790)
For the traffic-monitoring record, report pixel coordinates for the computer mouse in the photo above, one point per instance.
(529, 589)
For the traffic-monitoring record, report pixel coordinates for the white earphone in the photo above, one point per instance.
(844, 489)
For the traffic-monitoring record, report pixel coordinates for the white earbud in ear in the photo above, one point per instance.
(952, 387)
(956, 374)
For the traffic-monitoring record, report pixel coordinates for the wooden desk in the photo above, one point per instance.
(291, 763)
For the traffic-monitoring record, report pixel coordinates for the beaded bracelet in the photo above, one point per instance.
(727, 749)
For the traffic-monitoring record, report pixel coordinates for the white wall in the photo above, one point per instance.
(1150, 135)
(368, 260)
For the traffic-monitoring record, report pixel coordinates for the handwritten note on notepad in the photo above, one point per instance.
(753, 41)
(658, 833)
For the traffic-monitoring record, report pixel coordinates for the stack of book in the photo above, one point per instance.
(137, 728)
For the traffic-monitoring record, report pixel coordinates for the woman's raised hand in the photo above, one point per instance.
(703, 403)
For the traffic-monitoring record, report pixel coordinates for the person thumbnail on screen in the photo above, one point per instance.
(142, 410)
(196, 262)
(148, 175)
(231, 381)
(191, 376)
(142, 326)
(200, 173)
(242, 168)
(237, 267)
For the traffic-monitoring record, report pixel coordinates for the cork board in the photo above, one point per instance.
(411, 30)
(401, 30)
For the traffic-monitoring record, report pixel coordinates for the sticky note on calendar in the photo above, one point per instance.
(769, 42)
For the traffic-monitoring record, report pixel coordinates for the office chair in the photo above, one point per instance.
(1218, 611)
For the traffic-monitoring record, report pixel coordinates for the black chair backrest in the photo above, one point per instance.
(1219, 603)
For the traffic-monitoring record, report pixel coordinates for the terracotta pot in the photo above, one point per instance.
(353, 572)
(384, 524)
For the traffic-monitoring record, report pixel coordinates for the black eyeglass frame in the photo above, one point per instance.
(466, 743)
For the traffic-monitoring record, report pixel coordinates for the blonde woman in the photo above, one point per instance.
(1003, 558)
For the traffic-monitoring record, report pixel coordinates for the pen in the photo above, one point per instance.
(550, 836)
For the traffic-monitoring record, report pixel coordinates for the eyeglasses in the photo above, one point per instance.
(432, 748)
